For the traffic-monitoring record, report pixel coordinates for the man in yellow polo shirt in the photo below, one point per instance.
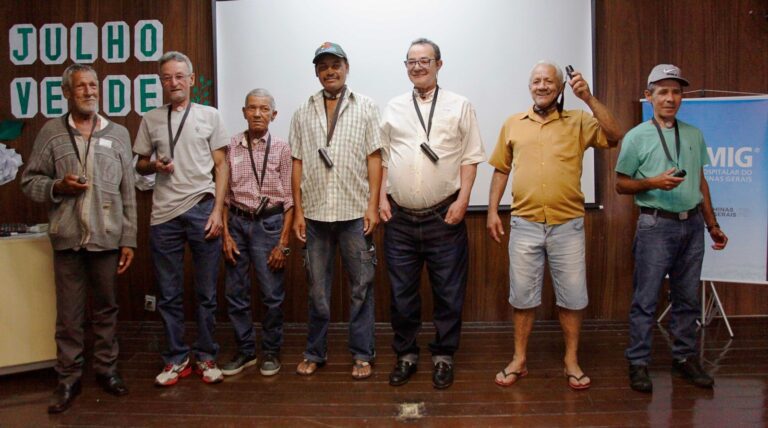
(544, 147)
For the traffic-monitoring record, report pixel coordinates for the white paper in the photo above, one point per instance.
(10, 161)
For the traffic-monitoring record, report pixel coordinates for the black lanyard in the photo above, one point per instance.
(253, 163)
(171, 139)
(335, 116)
(664, 142)
(83, 163)
(427, 128)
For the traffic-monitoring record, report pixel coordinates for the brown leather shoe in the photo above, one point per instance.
(112, 384)
(63, 397)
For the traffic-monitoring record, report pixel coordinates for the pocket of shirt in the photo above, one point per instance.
(108, 170)
(203, 131)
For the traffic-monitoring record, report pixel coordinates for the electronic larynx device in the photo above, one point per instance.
(429, 152)
(263, 201)
(325, 157)
(679, 173)
(569, 71)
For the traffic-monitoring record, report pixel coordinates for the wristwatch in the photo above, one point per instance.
(286, 251)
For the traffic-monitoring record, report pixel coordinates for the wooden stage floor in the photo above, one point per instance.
(332, 398)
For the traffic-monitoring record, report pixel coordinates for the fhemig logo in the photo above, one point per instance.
(730, 157)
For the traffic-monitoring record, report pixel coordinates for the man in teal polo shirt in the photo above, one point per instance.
(661, 163)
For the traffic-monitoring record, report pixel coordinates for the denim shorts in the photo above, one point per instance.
(530, 245)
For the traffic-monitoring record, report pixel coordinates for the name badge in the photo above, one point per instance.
(236, 160)
(105, 143)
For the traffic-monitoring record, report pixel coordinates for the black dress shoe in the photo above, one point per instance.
(402, 373)
(113, 384)
(639, 380)
(63, 397)
(442, 375)
(690, 370)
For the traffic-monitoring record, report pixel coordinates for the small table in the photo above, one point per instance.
(27, 303)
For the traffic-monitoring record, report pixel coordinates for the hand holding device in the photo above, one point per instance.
(569, 71)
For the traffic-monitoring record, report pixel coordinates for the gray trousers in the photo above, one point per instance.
(79, 273)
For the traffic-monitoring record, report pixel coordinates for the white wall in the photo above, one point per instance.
(488, 49)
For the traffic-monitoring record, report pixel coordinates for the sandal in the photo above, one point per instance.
(308, 368)
(517, 376)
(360, 365)
(577, 386)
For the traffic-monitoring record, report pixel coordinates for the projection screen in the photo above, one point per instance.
(488, 48)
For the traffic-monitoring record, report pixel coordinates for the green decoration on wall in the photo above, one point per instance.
(201, 91)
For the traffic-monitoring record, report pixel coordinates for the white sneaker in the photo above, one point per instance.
(172, 373)
(209, 371)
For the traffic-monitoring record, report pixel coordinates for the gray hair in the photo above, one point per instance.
(558, 70)
(425, 41)
(261, 92)
(66, 77)
(175, 56)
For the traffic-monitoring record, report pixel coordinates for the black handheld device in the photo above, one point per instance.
(429, 152)
(325, 157)
(263, 201)
(679, 173)
(569, 71)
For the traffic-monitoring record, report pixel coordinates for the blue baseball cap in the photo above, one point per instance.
(329, 48)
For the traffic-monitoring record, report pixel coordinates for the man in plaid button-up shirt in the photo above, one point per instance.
(260, 167)
(335, 146)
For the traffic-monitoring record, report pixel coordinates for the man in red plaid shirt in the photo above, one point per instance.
(256, 232)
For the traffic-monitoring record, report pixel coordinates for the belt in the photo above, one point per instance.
(424, 212)
(685, 215)
(267, 212)
(205, 197)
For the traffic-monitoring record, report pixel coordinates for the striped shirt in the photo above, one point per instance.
(339, 193)
(276, 184)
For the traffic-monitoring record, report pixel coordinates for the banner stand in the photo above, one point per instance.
(710, 308)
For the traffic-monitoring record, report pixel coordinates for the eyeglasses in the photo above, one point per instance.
(424, 62)
(169, 79)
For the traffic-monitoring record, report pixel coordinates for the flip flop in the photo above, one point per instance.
(359, 365)
(577, 386)
(312, 367)
(517, 375)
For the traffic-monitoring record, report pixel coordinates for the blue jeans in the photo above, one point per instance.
(167, 241)
(409, 242)
(358, 257)
(665, 246)
(255, 240)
